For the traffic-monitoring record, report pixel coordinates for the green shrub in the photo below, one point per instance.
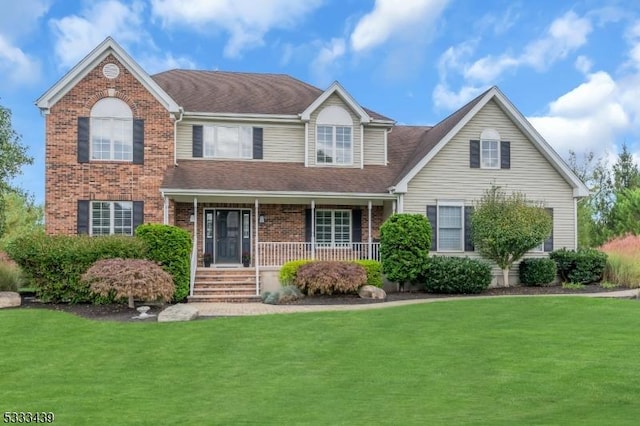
(586, 265)
(374, 271)
(288, 271)
(573, 286)
(170, 246)
(53, 264)
(10, 277)
(405, 240)
(535, 272)
(456, 275)
(328, 277)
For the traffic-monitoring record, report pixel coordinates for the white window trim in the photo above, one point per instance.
(334, 145)
(112, 205)
(215, 128)
(482, 165)
(333, 230)
(452, 203)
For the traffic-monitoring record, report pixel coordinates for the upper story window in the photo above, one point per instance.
(111, 130)
(334, 136)
(490, 149)
(227, 142)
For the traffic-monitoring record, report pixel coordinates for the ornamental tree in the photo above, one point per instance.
(405, 240)
(130, 278)
(505, 227)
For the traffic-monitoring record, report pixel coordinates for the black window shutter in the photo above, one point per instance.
(432, 215)
(307, 225)
(548, 243)
(83, 139)
(138, 214)
(83, 217)
(197, 142)
(257, 143)
(356, 226)
(138, 141)
(505, 154)
(468, 241)
(474, 154)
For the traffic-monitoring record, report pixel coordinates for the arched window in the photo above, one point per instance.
(111, 130)
(334, 136)
(490, 149)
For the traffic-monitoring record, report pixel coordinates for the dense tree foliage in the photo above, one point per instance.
(505, 227)
(22, 216)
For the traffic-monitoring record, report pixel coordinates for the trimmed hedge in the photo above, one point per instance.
(585, 265)
(456, 275)
(374, 271)
(289, 270)
(53, 264)
(171, 247)
(330, 277)
(537, 272)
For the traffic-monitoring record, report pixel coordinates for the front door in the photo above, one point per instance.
(227, 236)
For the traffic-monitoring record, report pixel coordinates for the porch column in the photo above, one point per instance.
(369, 229)
(394, 209)
(313, 229)
(256, 254)
(194, 249)
(165, 210)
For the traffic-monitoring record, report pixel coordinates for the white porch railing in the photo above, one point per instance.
(278, 253)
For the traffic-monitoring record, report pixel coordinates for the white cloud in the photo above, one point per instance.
(392, 18)
(20, 17)
(246, 21)
(445, 98)
(583, 64)
(77, 35)
(326, 59)
(17, 67)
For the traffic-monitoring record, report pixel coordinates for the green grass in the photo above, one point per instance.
(495, 361)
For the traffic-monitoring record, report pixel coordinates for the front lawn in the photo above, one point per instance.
(492, 361)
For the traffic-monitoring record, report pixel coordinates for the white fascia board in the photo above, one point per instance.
(82, 68)
(243, 117)
(336, 88)
(275, 194)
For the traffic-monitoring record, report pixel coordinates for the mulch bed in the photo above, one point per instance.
(125, 314)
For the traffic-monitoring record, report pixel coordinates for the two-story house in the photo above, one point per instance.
(267, 168)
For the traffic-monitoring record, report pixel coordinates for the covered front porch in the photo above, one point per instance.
(264, 233)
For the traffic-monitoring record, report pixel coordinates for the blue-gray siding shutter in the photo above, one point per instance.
(356, 226)
(138, 214)
(83, 139)
(257, 143)
(474, 154)
(307, 225)
(83, 217)
(197, 142)
(548, 243)
(432, 215)
(468, 241)
(505, 154)
(138, 141)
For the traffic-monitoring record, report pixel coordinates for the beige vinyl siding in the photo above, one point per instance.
(448, 177)
(374, 146)
(334, 99)
(281, 142)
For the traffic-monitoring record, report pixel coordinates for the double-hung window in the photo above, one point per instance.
(333, 228)
(334, 136)
(111, 217)
(227, 141)
(111, 130)
(450, 227)
(490, 149)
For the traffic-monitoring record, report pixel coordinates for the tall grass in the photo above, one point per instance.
(623, 262)
(10, 277)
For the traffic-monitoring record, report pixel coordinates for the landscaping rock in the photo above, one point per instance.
(9, 299)
(179, 312)
(371, 292)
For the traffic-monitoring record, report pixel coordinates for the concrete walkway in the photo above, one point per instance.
(243, 309)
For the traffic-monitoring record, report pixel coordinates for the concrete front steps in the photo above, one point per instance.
(225, 285)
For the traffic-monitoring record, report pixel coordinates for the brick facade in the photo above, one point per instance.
(68, 181)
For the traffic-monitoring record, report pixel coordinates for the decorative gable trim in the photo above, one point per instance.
(344, 95)
(579, 188)
(78, 72)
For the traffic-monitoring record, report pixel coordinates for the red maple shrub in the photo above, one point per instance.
(131, 279)
(328, 277)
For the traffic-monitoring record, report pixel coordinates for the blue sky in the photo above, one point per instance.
(572, 68)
